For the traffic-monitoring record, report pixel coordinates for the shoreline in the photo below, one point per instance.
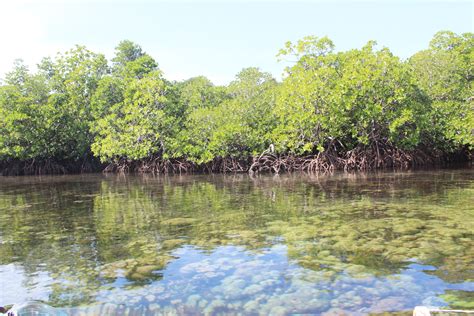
(265, 163)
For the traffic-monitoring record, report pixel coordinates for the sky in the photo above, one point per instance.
(219, 38)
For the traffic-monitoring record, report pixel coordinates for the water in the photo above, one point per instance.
(230, 244)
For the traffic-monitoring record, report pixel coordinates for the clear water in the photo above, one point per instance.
(231, 244)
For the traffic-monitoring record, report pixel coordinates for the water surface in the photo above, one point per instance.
(231, 244)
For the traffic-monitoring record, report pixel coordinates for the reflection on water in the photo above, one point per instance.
(359, 244)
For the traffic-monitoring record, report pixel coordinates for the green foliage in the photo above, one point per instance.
(445, 72)
(131, 62)
(134, 127)
(15, 133)
(194, 102)
(199, 92)
(47, 115)
(359, 96)
(130, 108)
(75, 77)
(125, 52)
(109, 91)
(238, 126)
(77, 105)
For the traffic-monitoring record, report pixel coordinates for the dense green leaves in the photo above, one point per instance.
(356, 97)
(77, 105)
(238, 126)
(46, 115)
(135, 126)
(445, 72)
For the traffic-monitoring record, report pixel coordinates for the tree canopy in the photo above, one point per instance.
(335, 103)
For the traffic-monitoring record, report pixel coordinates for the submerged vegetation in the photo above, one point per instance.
(218, 243)
(358, 109)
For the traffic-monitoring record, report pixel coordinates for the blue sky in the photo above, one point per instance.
(218, 38)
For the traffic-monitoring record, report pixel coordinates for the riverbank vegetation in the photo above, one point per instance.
(357, 109)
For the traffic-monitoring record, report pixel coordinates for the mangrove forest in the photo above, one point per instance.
(358, 109)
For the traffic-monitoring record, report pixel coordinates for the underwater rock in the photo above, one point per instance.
(192, 300)
(319, 304)
(278, 310)
(389, 304)
(233, 282)
(347, 300)
(235, 305)
(230, 287)
(213, 274)
(213, 306)
(433, 301)
(176, 301)
(154, 307)
(252, 289)
(202, 303)
(336, 312)
(169, 311)
(366, 280)
(157, 289)
(135, 300)
(268, 283)
(251, 306)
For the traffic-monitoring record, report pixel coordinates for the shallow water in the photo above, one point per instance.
(231, 244)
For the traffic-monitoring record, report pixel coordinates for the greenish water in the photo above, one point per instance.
(231, 244)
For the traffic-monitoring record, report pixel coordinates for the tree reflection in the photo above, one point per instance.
(88, 234)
